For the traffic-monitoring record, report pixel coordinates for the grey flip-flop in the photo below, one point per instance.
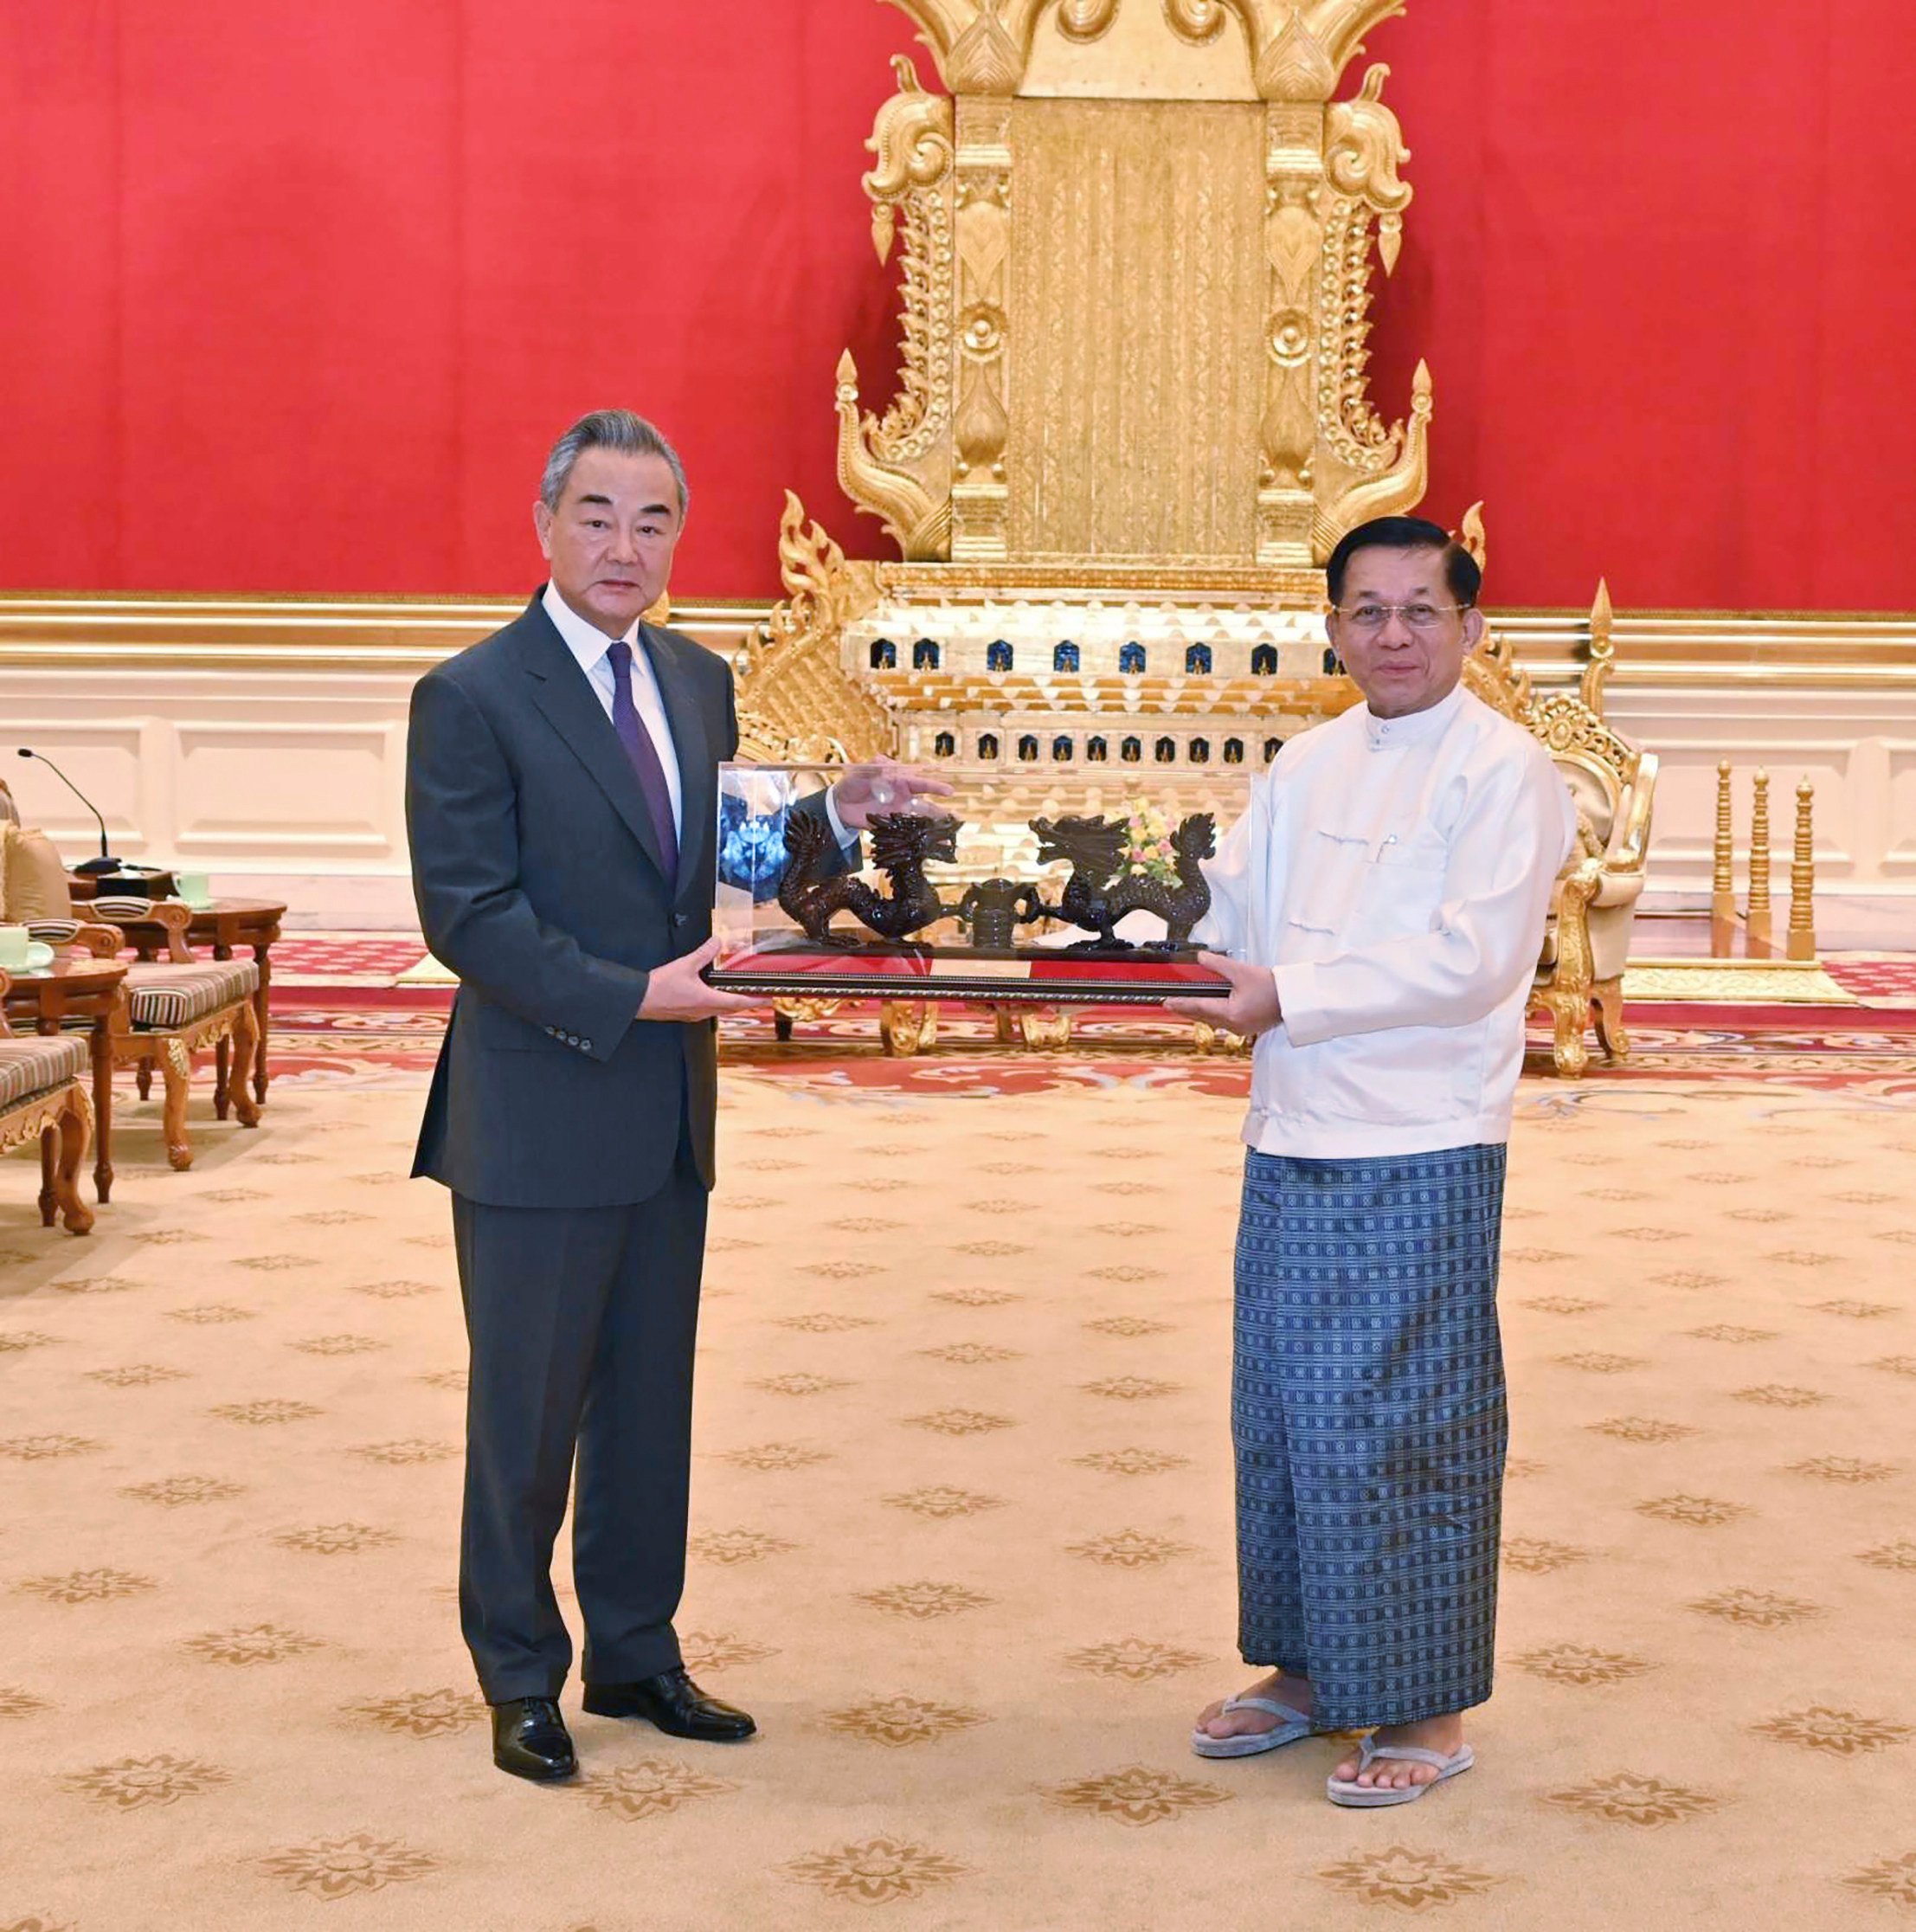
(1249, 1744)
(1347, 1790)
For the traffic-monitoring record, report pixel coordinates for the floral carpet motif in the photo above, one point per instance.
(961, 1526)
(337, 1868)
(1626, 1798)
(901, 1720)
(131, 1784)
(651, 1787)
(1412, 1879)
(877, 1872)
(1139, 1795)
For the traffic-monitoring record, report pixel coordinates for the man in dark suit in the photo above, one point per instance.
(561, 784)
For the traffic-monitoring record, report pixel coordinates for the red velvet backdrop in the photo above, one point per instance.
(298, 296)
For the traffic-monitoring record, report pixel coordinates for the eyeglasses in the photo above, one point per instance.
(1370, 618)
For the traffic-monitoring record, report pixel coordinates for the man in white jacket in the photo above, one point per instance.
(1379, 912)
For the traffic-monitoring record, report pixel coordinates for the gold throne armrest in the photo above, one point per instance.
(1586, 943)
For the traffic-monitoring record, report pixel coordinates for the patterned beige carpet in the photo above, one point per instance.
(963, 1539)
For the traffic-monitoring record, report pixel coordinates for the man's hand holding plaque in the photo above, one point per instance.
(1251, 1007)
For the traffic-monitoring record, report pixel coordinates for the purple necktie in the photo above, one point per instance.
(644, 755)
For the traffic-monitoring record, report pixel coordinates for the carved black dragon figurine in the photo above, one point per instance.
(1180, 905)
(1095, 848)
(1095, 899)
(902, 844)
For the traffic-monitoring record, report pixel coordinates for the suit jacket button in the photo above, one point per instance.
(587, 1044)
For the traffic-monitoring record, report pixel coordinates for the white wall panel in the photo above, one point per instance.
(278, 763)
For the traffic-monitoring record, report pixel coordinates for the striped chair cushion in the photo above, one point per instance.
(31, 1063)
(54, 932)
(111, 910)
(162, 997)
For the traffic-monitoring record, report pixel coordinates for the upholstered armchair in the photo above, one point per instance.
(34, 891)
(176, 1007)
(1586, 942)
(43, 1096)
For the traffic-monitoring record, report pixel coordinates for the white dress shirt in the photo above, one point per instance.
(590, 646)
(1395, 874)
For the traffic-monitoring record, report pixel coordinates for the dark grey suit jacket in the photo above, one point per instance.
(536, 870)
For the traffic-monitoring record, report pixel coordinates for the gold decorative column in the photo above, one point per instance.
(1801, 942)
(979, 492)
(1757, 923)
(1723, 873)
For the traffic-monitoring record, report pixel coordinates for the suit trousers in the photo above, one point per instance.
(581, 1323)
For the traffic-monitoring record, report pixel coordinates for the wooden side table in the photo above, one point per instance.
(225, 925)
(77, 987)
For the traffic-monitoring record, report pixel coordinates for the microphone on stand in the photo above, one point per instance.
(106, 862)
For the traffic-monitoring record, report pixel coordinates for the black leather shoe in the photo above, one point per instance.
(675, 1704)
(530, 1739)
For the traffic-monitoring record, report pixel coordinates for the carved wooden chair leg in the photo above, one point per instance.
(781, 1025)
(177, 1070)
(143, 1079)
(49, 1143)
(246, 1048)
(1004, 1025)
(76, 1133)
(222, 1086)
(1607, 997)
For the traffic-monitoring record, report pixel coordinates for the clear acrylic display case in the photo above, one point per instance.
(1075, 887)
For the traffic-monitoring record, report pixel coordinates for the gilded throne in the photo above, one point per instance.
(1580, 977)
(1133, 417)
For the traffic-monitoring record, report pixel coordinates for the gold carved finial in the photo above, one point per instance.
(1295, 65)
(1298, 47)
(793, 702)
(985, 59)
(1602, 649)
(1492, 672)
(1363, 149)
(1392, 491)
(1198, 21)
(1474, 538)
(1802, 944)
(1086, 20)
(912, 141)
(920, 525)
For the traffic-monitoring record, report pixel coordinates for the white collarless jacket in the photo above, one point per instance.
(1395, 874)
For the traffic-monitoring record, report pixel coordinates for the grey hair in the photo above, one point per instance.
(618, 430)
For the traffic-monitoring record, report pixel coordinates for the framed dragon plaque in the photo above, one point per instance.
(1094, 899)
